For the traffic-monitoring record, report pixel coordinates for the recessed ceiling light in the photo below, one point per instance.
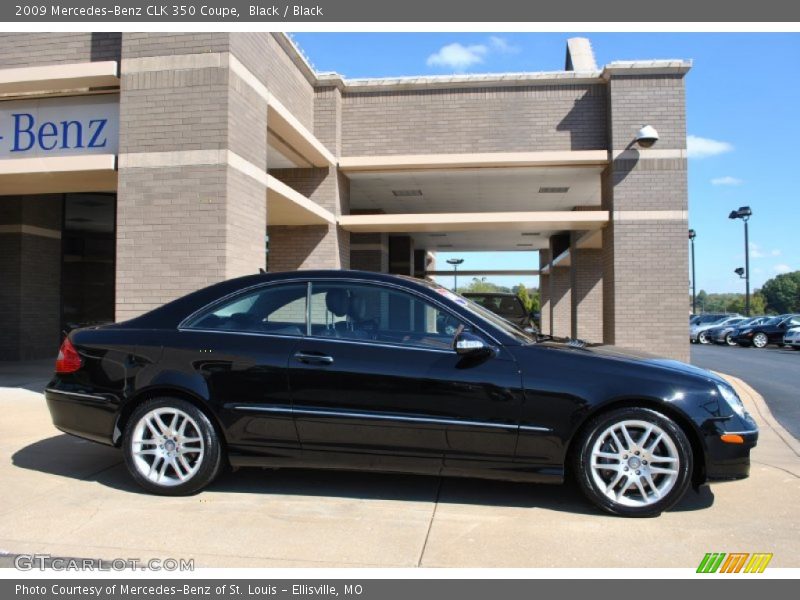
(525, 245)
(553, 190)
(531, 233)
(438, 235)
(406, 193)
(445, 246)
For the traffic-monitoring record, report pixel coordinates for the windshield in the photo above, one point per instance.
(505, 306)
(483, 313)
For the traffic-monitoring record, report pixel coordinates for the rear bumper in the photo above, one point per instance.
(726, 461)
(88, 416)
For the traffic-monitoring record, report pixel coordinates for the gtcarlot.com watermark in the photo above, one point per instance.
(41, 562)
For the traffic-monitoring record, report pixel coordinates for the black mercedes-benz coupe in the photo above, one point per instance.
(354, 370)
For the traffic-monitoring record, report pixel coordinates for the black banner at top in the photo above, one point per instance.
(439, 11)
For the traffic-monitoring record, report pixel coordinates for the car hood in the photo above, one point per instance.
(630, 355)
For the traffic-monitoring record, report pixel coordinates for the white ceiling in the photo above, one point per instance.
(476, 190)
(462, 241)
(278, 160)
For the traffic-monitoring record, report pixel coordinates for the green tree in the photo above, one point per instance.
(782, 293)
(525, 297)
(481, 285)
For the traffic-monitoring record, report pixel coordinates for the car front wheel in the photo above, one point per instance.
(633, 462)
(703, 338)
(729, 340)
(760, 340)
(171, 447)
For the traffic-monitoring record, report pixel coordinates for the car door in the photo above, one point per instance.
(241, 348)
(378, 384)
(776, 333)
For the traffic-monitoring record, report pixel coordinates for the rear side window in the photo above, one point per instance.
(276, 309)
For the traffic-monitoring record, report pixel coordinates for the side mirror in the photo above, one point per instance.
(466, 343)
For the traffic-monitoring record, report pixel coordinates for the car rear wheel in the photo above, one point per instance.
(760, 340)
(171, 448)
(633, 462)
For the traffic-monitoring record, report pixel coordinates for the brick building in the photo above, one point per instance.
(137, 167)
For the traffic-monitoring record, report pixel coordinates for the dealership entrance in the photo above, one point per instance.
(138, 167)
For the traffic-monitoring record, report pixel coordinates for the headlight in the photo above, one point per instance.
(732, 399)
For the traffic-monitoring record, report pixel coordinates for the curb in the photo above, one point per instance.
(763, 412)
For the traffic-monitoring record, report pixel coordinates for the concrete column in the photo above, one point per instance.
(316, 246)
(544, 293)
(586, 274)
(30, 276)
(188, 214)
(645, 262)
(369, 252)
(560, 301)
(401, 255)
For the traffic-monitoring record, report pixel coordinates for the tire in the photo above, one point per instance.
(729, 340)
(191, 456)
(624, 497)
(760, 340)
(702, 337)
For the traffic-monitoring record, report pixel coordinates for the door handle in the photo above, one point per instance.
(313, 358)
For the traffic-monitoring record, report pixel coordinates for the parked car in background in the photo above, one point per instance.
(698, 333)
(723, 334)
(768, 332)
(792, 338)
(508, 306)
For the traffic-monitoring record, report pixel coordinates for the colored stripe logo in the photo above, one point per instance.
(734, 562)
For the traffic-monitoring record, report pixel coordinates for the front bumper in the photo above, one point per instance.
(727, 461)
(89, 416)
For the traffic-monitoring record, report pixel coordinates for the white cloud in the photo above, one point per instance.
(700, 147)
(757, 251)
(781, 268)
(502, 45)
(459, 57)
(727, 180)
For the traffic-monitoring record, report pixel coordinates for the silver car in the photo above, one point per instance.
(698, 333)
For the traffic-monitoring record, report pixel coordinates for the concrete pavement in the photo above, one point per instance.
(67, 497)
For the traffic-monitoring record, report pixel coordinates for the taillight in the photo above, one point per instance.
(68, 360)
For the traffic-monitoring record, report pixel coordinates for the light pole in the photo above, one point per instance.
(692, 235)
(744, 213)
(455, 262)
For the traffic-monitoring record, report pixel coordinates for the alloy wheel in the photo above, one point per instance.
(635, 463)
(167, 446)
(703, 337)
(760, 340)
(729, 340)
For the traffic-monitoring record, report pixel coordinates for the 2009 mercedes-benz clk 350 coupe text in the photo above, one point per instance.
(353, 370)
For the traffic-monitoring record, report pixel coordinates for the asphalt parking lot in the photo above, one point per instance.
(772, 371)
(68, 497)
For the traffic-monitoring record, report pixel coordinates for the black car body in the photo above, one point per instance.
(506, 305)
(356, 370)
(769, 332)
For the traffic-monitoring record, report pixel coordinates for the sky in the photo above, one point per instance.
(743, 128)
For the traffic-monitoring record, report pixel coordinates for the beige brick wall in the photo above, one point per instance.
(497, 119)
(267, 60)
(645, 261)
(545, 325)
(307, 247)
(586, 279)
(560, 302)
(34, 49)
(184, 226)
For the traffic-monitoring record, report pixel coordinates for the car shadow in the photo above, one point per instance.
(70, 457)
